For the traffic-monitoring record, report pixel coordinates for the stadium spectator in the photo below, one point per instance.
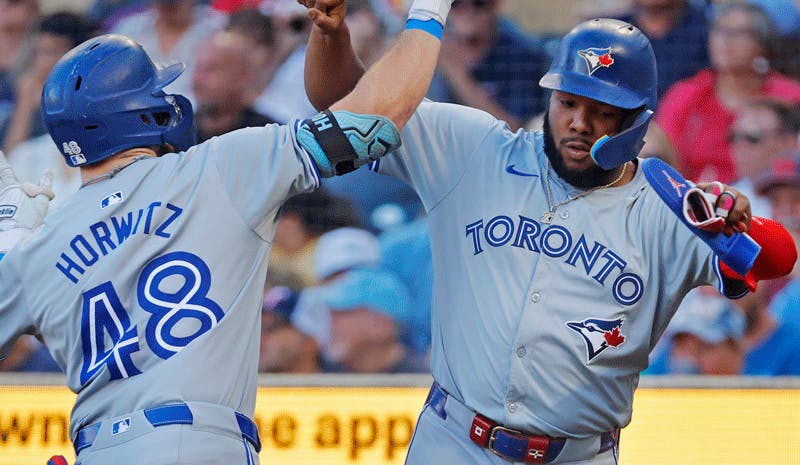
(222, 80)
(52, 37)
(172, 31)
(369, 306)
(284, 97)
(303, 219)
(786, 16)
(488, 62)
(380, 202)
(406, 251)
(657, 144)
(262, 47)
(107, 13)
(697, 113)
(29, 355)
(368, 33)
(678, 31)
(704, 338)
(17, 19)
(293, 329)
(780, 183)
(762, 128)
(770, 345)
(55, 35)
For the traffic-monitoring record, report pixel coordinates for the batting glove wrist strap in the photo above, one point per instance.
(424, 10)
(340, 141)
(699, 208)
(738, 251)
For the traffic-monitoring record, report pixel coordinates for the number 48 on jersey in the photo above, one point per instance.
(108, 336)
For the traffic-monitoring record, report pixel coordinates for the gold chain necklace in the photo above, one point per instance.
(547, 217)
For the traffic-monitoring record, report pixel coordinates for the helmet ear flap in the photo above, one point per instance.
(181, 133)
(611, 152)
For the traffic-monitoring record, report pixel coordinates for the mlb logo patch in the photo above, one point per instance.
(121, 426)
(77, 159)
(7, 211)
(112, 199)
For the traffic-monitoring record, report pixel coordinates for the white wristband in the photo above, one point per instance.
(424, 10)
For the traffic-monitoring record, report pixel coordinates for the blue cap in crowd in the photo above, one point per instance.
(709, 317)
(783, 170)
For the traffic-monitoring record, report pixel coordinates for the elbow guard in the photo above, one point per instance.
(777, 256)
(341, 141)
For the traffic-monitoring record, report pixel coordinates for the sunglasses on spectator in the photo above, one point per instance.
(748, 137)
(474, 3)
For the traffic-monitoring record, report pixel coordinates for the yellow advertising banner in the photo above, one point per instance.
(374, 425)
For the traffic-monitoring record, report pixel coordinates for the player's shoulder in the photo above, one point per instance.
(467, 123)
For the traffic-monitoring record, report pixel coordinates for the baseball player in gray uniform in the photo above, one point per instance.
(147, 285)
(557, 266)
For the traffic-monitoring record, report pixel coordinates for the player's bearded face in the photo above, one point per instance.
(572, 126)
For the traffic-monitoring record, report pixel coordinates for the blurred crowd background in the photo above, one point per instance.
(350, 276)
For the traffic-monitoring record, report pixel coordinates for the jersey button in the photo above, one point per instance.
(521, 352)
(564, 215)
(535, 297)
(512, 407)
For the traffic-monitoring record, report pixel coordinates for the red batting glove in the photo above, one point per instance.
(777, 257)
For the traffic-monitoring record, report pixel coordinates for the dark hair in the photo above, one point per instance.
(254, 24)
(763, 26)
(788, 115)
(321, 211)
(357, 5)
(72, 26)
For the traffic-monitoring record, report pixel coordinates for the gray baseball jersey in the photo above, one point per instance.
(147, 286)
(540, 327)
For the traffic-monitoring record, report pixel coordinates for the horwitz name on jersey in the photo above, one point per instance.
(103, 237)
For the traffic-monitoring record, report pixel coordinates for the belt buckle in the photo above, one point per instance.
(532, 455)
(493, 432)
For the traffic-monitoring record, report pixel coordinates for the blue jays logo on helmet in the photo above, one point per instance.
(597, 58)
(598, 334)
(609, 61)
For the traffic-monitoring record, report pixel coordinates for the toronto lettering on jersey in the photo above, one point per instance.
(557, 241)
(104, 236)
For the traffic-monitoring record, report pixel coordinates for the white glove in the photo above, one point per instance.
(424, 10)
(700, 207)
(22, 206)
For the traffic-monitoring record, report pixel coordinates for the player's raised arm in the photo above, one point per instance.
(396, 83)
(365, 124)
(332, 68)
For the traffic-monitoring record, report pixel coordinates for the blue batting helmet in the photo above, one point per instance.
(612, 62)
(106, 95)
